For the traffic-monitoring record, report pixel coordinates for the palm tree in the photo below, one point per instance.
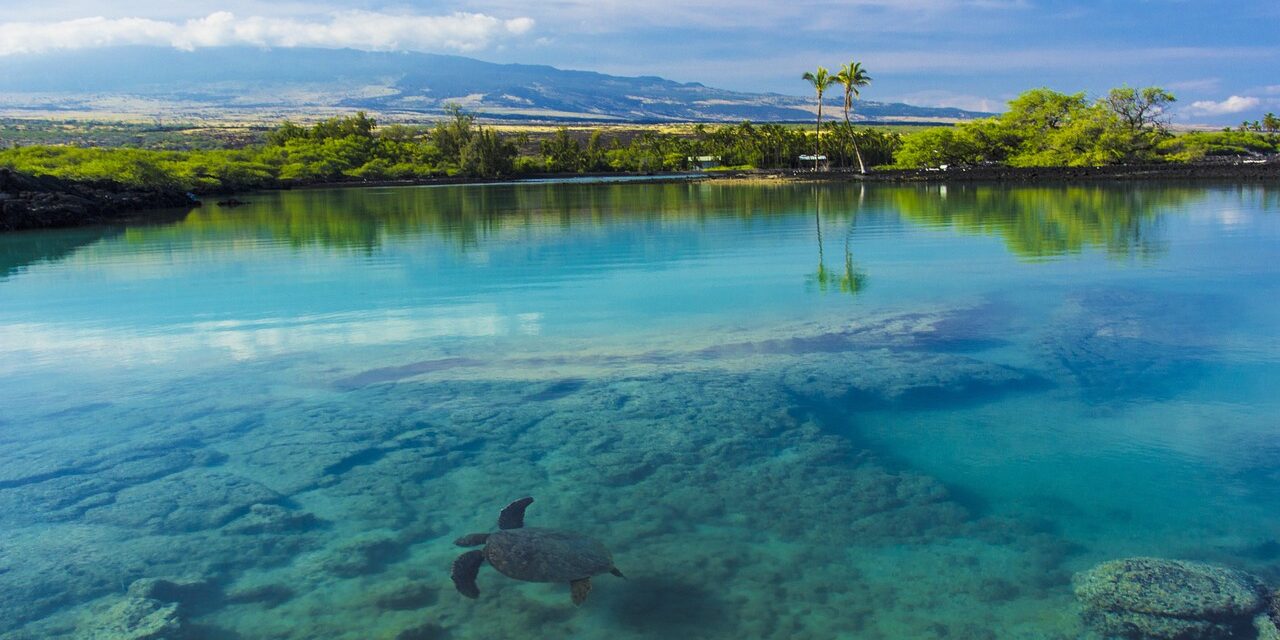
(853, 76)
(820, 81)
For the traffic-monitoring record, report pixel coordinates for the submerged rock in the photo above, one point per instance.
(271, 518)
(366, 554)
(1155, 598)
(136, 618)
(1267, 623)
(183, 592)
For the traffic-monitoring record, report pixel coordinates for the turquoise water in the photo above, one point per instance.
(790, 411)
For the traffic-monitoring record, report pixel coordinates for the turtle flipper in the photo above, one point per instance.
(618, 573)
(465, 568)
(512, 517)
(579, 590)
(472, 540)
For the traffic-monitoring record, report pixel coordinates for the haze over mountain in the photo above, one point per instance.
(162, 80)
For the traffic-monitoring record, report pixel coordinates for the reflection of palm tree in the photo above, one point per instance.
(823, 277)
(853, 280)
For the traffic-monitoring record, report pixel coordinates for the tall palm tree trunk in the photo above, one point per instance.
(817, 134)
(861, 167)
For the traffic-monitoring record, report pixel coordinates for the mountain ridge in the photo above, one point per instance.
(243, 79)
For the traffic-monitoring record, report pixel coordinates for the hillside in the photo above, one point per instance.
(240, 80)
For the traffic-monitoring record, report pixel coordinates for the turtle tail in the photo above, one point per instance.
(465, 568)
(512, 517)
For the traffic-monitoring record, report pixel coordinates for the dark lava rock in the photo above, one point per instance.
(29, 202)
(1155, 598)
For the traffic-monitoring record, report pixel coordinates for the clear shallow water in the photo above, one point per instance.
(789, 411)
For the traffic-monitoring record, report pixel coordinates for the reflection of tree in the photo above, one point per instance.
(1034, 222)
(20, 250)
(821, 276)
(852, 280)
(1040, 222)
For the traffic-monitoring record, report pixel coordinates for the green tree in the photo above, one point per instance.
(1271, 123)
(453, 134)
(821, 80)
(853, 77)
(487, 155)
(1140, 109)
(562, 153)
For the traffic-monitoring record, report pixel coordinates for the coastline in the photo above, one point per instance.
(1023, 175)
(996, 174)
(42, 202)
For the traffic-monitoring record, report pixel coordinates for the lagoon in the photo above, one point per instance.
(790, 411)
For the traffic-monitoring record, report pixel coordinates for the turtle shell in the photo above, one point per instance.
(546, 555)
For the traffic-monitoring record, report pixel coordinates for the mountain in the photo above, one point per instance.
(248, 81)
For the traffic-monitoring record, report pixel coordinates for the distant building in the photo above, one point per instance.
(703, 162)
(807, 160)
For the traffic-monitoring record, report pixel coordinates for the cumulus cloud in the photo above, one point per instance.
(365, 30)
(1234, 104)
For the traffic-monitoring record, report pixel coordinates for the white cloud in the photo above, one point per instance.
(942, 98)
(365, 30)
(1202, 85)
(1234, 104)
(614, 16)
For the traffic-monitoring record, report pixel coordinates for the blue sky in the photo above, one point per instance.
(1222, 59)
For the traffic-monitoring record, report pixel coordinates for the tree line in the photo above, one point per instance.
(355, 148)
(1041, 128)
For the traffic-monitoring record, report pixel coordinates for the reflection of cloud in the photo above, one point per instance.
(1232, 217)
(1234, 104)
(247, 340)
(364, 30)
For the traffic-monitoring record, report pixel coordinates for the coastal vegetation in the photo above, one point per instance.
(1041, 128)
(355, 148)
(1045, 128)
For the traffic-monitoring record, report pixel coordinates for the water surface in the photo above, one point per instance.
(792, 411)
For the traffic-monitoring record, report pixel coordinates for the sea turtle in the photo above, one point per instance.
(534, 555)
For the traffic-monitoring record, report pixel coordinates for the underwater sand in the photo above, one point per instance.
(815, 411)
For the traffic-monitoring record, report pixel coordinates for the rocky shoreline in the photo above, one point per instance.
(30, 202)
